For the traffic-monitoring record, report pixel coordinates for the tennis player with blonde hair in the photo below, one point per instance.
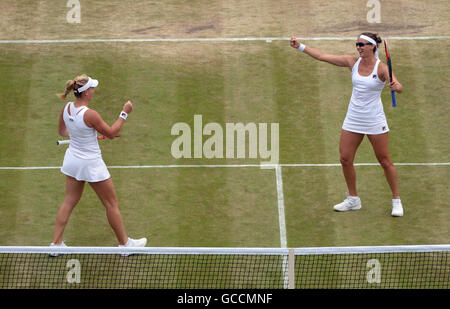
(83, 160)
(365, 114)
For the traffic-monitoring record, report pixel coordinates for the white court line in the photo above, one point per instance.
(281, 216)
(366, 164)
(282, 224)
(226, 165)
(267, 39)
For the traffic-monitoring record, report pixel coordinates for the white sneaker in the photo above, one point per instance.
(134, 243)
(397, 209)
(62, 244)
(350, 203)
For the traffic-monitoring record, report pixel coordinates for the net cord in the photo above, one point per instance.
(225, 251)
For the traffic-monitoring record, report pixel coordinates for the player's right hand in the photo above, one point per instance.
(128, 107)
(294, 42)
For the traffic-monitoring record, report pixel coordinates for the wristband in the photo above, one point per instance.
(123, 115)
(302, 47)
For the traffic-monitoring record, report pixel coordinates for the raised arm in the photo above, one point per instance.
(338, 60)
(94, 120)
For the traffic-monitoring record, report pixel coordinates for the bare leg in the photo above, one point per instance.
(107, 194)
(348, 145)
(74, 190)
(380, 144)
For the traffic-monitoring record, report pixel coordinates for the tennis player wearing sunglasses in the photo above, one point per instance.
(365, 114)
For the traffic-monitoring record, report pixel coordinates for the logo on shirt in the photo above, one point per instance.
(374, 76)
(383, 128)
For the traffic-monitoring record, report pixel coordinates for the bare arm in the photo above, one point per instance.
(338, 60)
(383, 74)
(94, 120)
(62, 130)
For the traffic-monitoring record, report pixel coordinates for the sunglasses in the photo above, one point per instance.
(361, 44)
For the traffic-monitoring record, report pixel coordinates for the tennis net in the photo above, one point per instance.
(225, 268)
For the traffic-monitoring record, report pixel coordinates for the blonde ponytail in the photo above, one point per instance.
(71, 85)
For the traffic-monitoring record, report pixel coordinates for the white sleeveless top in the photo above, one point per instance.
(365, 112)
(83, 140)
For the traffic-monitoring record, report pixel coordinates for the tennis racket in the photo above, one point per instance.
(389, 64)
(67, 141)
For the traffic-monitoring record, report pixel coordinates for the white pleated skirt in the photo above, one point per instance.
(90, 170)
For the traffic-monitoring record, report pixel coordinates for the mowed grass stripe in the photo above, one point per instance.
(32, 125)
(26, 214)
(308, 220)
(332, 99)
(428, 136)
(29, 206)
(199, 88)
(14, 102)
(429, 76)
(249, 98)
(408, 135)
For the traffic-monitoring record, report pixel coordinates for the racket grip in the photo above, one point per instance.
(63, 142)
(394, 103)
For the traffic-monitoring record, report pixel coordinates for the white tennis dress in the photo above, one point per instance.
(365, 112)
(83, 159)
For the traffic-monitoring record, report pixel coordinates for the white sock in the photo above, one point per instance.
(396, 200)
(354, 197)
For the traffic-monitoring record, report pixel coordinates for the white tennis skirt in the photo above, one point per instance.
(370, 128)
(90, 170)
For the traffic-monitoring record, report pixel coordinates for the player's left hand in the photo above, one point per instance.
(294, 42)
(395, 86)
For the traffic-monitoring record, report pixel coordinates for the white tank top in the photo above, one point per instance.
(83, 140)
(365, 103)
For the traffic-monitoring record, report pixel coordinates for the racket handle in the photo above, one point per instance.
(64, 142)
(67, 141)
(394, 103)
(104, 137)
